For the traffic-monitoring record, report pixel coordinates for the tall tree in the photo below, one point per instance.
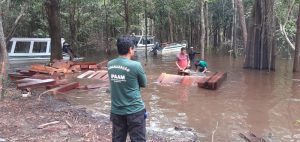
(15, 25)
(3, 55)
(171, 27)
(126, 16)
(202, 25)
(242, 20)
(233, 29)
(260, 49)
(53, 14)
(296, 67)
(72, 23)
(206, 24)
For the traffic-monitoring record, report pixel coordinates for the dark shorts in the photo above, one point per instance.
(134, 124)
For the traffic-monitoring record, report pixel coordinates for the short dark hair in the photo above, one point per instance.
(124, 43)
(183, 48)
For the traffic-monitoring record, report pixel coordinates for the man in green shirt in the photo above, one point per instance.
(126, 77)
(201, 65)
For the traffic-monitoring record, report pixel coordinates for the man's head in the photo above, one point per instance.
(66, 44)
(183, 50)
(125, 45)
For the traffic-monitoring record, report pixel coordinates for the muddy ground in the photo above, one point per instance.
(22, 119)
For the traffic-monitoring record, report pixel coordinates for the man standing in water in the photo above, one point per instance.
(201, 65)
(126, 77)
(192, 54)
(182, 62)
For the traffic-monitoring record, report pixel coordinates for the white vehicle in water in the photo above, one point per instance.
(24, 49)
(140, 41)
(168, 48)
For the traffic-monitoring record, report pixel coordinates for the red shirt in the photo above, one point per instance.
(182, 60)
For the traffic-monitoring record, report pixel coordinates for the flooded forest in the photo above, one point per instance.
(251, 91)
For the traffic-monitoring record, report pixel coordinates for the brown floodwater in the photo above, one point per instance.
(265, 103)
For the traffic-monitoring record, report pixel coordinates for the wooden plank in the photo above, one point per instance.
(64, 88)
(26, 80)
(61, 64)
(170, 78)
(27, 72)
(17, 76)
(37, 83)
(93, 67)
(85, 63)
(203, 82)
(213, 82)
(105, 77)
(75, 68)
(102, 64)
(85, 74)
(100, 74)
(41, 76)
(44, 69)
(57, 84)
(84, 67)
(94, 74)
(187, 80)
(216, 81)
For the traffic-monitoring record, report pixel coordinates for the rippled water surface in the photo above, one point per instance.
(267, 104)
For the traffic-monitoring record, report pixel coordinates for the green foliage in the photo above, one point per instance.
(91, 15)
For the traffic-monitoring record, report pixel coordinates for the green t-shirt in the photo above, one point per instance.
(202, 64)
(126, 77)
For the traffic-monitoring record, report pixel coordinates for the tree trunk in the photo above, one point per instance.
(296, 67)
(15, 25)
(233, 32)
(72, 24)
(282, 26)
(127, 21)
(241, 12)
(107, 47)
(259, 53)
(206, 25)
(171, 28)
(53, 10)
(202, 37)
(3, 59)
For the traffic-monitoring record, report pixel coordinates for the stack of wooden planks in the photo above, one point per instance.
(213, 82)
(51, 77)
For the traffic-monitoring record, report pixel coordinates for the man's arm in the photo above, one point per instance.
(189, 61)
(205, 70)
(141, 76)
(178, 66)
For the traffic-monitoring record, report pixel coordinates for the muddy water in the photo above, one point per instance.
(267, 104)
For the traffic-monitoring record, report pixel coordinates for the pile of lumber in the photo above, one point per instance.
(211, 82)
(51, 77)
(101, 75)
(61, 66)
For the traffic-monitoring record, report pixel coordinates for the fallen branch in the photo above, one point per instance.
(47, 124)
(214, 131)
(69, 124)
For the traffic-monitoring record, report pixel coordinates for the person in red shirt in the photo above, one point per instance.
(183, 61)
